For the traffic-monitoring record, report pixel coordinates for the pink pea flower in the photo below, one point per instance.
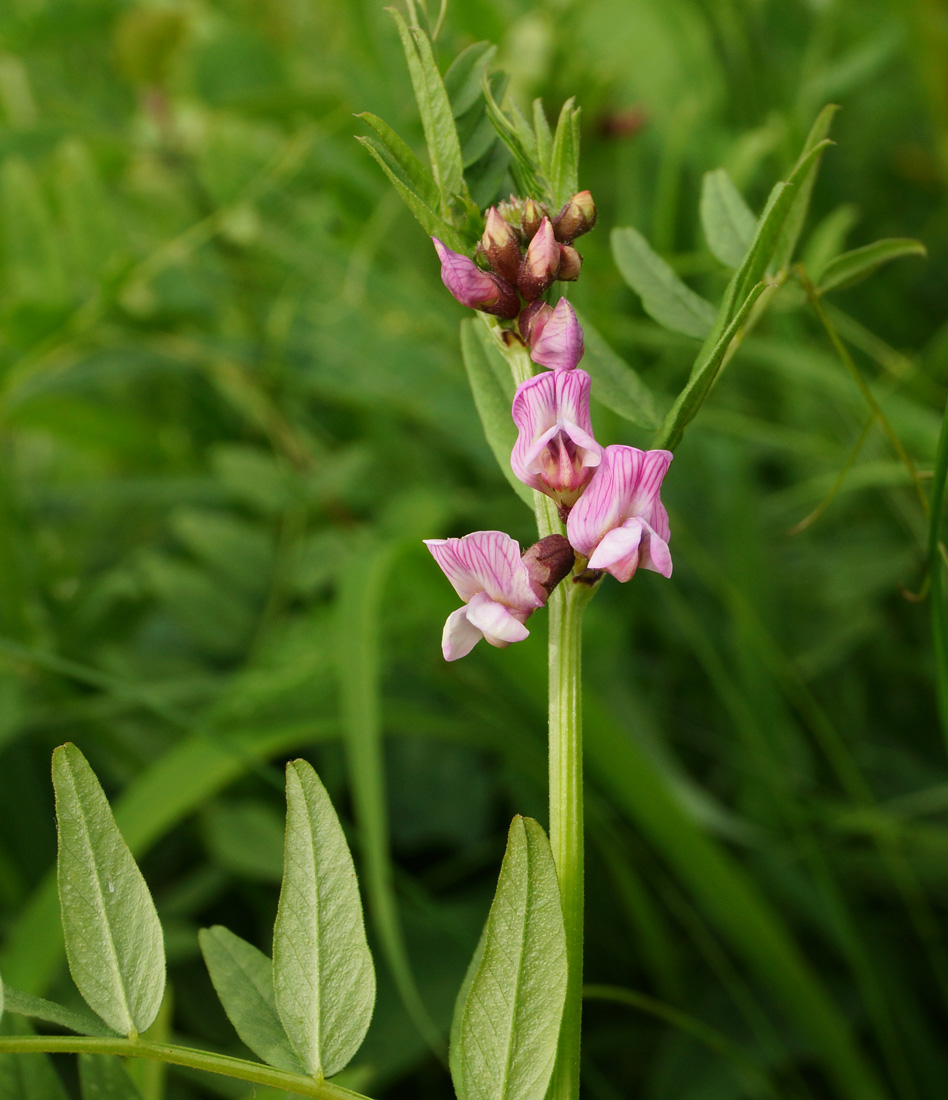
(555, 451)
(495, 585)
(559, 343)
(475, 288)
(620, 523)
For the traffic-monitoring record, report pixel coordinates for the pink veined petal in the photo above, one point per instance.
(654, 553)
(592, 452)
(600, 508)
(493, 558)
(652, 469)
(459, 636)
(534, 413)
(571, 389)
(445, 553)
(495, 621)
(619, 551)
(464, 279)
(560, 344)
(658, 520)
(530, 457)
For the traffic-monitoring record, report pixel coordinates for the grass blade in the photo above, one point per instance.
(114, 941)
(323, 975)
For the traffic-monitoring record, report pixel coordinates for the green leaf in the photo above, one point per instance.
(544, 138)
(804, 176)
(492, 398)
(437, 118)
(103, 1077)
(454, 1046)
(413, 172)
(510, 1022)
(665, 298)
(243, 979)
(564, 164)
(114, 941)
(323, 975)
(614, 382)
(25, 1004)
(465, 75)
(726, 219)
(858, 264)
(432, 223)
(782, 200)
(521, 141)
(699, 385)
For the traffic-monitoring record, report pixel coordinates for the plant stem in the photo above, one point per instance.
(254, 1072)
(566, 813)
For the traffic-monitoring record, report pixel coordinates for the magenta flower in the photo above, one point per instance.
(559, 344)
(495, 585)
(620, 523)
(475, 288)
(555, 451)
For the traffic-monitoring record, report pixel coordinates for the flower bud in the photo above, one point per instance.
(511, 209)
(531, 218)
(475, 288)
(548, 562)
(571, 264)
(501, 246)
(559, 345)
(541, 263)
(532, 320)
(577, 217)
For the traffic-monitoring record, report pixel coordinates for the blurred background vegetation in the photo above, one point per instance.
(232, 404)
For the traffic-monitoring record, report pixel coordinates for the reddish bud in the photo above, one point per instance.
(570, 263)
(501, 246)
(475, 288)
(548, 562)
(541, 263)
(531, 218)
(577, 217)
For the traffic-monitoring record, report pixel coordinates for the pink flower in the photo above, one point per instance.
(555, 451)
(559, 344)
(620, 523)
(475, 288)
(494, 583)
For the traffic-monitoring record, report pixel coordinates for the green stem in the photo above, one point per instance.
(566, 813)
(254, 1072)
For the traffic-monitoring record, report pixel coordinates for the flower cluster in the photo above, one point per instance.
(608, 497)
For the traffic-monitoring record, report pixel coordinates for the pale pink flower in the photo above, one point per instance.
(620, 523)
(495, 585)
(559, 344)
(475, 288)
(555, 451)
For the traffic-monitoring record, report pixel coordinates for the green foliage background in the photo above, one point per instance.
(232, 404)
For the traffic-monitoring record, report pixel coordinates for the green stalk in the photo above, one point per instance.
(566, 813)
(254, 1072)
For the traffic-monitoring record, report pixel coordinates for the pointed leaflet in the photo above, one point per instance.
(243, 980)
(858, 264)
(103, 1077)
(25, 1004)
(492, 399)
(805, 173)
(702, 378)
(544, 138)
(520, 140)
(434, 107)
(726, 219)
(114, 942)
(614, 382)
(413, 172)
(510, 1022)
(564, 165)
(463, 79)
(665, 298)
(323, 975)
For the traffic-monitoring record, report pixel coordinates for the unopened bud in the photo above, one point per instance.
(541, 263)
(511, 210)
(577, 217)
(571, 263)
(548, 562)
(475, 288)
(531, 218)
(501, 246)
(532, 320)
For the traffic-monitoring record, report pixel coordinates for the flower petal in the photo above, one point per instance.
(445, 553)
(459, 636)
(655, 554)
(465, 280)
(601, 506)
(495, 621)
(618, 552)
(493, 559)
(560, 344)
